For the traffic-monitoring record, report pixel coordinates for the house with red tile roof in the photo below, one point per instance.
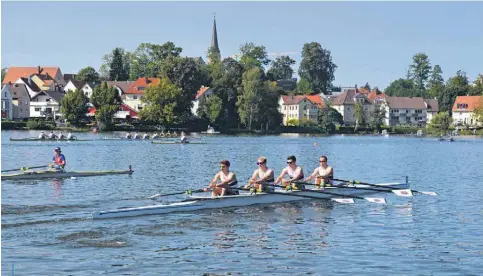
(463, 110)
(132, 97)
(345, 103)
(300, 107)
(15, 72)
(203, 93)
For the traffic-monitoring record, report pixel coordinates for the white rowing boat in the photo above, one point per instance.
(194, 203)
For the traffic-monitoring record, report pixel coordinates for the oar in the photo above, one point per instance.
(347, 199)
(398, 192)
(187, 192)
(386, 187)
(294, 194)
(26, 168)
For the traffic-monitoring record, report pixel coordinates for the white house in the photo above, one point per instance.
(88, 88)
(432, 108)
(463, 110)
(7, 112)
(31, 87)
(46, 104)
(72, 85)
(409, 111)
(203, 93)
(300, 107)
(20, 100)
(133, 96)
(345, 103)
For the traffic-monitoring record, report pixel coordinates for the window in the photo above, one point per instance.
(15, 93)
(5, 94)
(37, 109)
(284, 108)
(135, 97)
(47, 100)
(141, 88)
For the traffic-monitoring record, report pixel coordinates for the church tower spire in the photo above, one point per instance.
(214, 40)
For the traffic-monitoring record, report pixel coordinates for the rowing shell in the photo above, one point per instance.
(48, 140)
(176, 142)
(194, 203)
(59, 174)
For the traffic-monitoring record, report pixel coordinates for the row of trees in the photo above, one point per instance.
(424, 80)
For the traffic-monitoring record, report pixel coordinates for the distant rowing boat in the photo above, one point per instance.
(195, 203)
(58, 174)
(177, 142)
(48, 140)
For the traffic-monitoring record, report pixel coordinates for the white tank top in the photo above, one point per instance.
(292, 173)
(322, 171)
(262, 174)
(224, 177)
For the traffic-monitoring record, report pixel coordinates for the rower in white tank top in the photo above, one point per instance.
(324, 174)
(227, 181)
(261, 175)
(292, 170)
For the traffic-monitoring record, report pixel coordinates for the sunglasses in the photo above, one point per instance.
(222, 166)
(289, 162)
(259, 163)
(322, 161)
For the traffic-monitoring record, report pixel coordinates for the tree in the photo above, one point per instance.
(304, 87)
(455, 86)
(317, 67)
(210, 107)
(161, 101)
(478, 111)
(420, 70)
(269, 116)
(107, 60)
(477, 88)
(88, 74)
(106, 101)
(436, 82)
(402, 88)
(149, 59)
(253, 56)
(248, 102)
(293, 122)
(377, 118)
(74, 107)
(328, 118)
(367, 86)
(281, 68)
(118, 71)
(4, 72)
(359, 116)
(442, 121)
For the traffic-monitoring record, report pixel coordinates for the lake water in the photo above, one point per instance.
(46, 229)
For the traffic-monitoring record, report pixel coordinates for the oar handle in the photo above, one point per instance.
(316, 191)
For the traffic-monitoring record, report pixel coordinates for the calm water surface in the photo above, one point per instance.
(46, 229)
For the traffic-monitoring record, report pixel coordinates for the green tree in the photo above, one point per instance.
(108, 59)
(253, 56)
(118, 70)
(4, 72)
(106, 101)
(329, 117)
(420, 70)
(149, 59)
(455, 86)
(436, 82)
(367, 86)
(304, 87)
(293, 122)
(477, 88)
(162, 101)
(88, 74)
(377, 118)
(441, 121)
(478, 111)
(281, 68)
(269, 116)
(74, 107)
(317, 67)
(249, 99)
(402, 88)
(359, 116)
(210, 108)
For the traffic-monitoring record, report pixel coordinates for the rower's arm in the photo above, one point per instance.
(217, 176)
(254, 176)
(279, 178)
(231, 178)
(312, 176)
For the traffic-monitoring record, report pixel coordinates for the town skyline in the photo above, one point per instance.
(368, 55)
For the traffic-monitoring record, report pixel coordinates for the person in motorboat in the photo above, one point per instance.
(52, 136)
(145, 136)
(294, 172)
(183, 137)
(61, 136)
(42, 135)
(227, 180)
(324, 174)
(70, 136)
(262, 175)
(136, 135)
(128, 135)
(59, 162)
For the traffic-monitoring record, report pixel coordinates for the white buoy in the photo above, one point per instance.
(73, 178)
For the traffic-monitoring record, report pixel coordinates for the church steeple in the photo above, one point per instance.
(214, 40)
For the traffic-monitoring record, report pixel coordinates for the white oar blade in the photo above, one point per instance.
(429, 193)
(343, 200)
(405, 192)
(154, 196)
(376, 200)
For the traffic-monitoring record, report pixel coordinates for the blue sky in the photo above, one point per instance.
(370, 41)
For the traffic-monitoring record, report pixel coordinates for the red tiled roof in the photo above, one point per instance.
(316, 99)
(373, 96)
(202, 91)
(132, 112)
(291, 100)
(142, 83)
(467, 103)
(14, 73)
(363, 90)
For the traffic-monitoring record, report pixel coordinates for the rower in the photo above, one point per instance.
(58, 160)
(42, 135)
(324, 174)
(162, 133)
(70, 136)
(168, 134)
(261, 175)
(52, 135)
(136, 135)
(61, 136)
(227, 180)
(145, 136)
(184, 139)
(293, 171)
(128, 135)
(155, 136)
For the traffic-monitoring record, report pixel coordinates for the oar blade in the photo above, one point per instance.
(343, 200)
(376, 200)
(429, 193)
(404, 192)
(154, 196)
